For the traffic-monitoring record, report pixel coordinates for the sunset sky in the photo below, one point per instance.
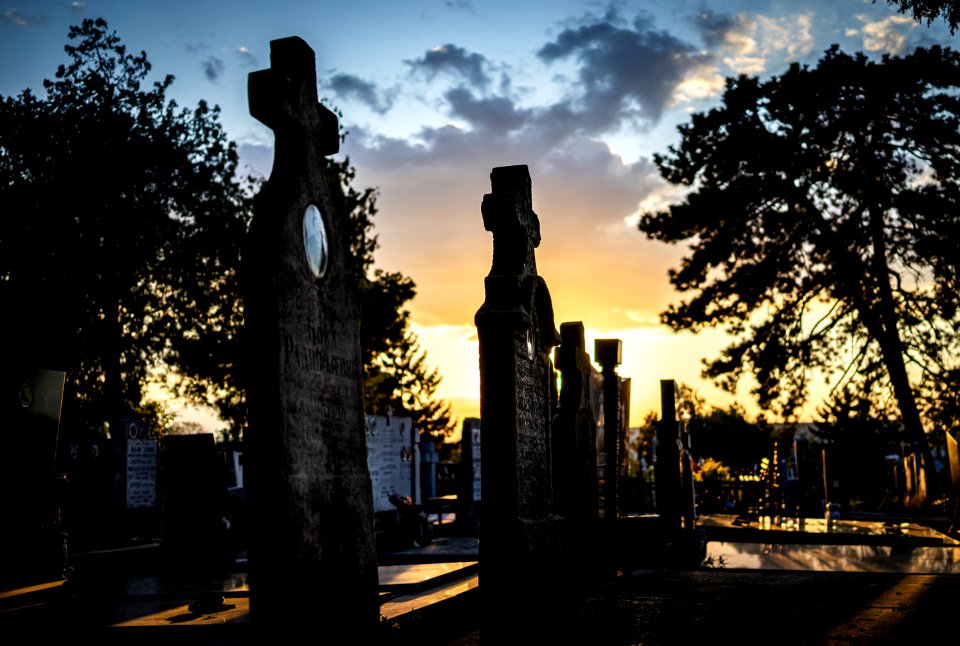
(436, 93)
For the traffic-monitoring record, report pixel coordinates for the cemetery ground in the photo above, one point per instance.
(836, 582)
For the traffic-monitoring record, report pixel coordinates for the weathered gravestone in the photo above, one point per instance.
(193, 535)
(30, 546)
(312, 558)
(519, 532)
(608, 353)
(469, 477)
(667, 463)
(393, 460)
(575, 433)
(574, 446)
(623, 458)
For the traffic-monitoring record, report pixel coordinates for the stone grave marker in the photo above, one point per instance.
(667, 463)
(393, 458)
(312, 557)
(608, 353)
(623, 458)
(519, 532)
(595, 389)
(140, 467)
(469, 477)
(29, 427)
(574, 432)
(574, 444)
(193, 536)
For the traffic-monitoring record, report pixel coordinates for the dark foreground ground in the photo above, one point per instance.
(754, 607)
(645, 607)
(718, 604)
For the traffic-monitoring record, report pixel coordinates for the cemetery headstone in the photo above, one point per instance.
(193, 536)
(312, 556)
(574, 444)
(428, 470)
(574, 432)
(667, 463)
(623, 458)
(469, 480)
(393, 460)
(141, 472)
(30, 422)
(520, 534)
(608, 353)
(600, 459)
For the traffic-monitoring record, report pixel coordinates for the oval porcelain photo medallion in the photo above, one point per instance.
(315, 240)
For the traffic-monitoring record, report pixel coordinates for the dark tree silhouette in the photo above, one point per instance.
(396, 373)
(823, 227)
(122, 222)
(930, 10)
(123, 218)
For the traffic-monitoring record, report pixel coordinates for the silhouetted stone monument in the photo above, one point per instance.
(469, 478)
(622, 457)
(29, 427)
(608, 353)
(312, 554)
(666, 467)
(574, 445)
(519, 532)
(574, 432)
(193, 536)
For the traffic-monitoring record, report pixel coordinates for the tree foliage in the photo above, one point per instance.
(930, 10)
(396, 374)
(122, 222)
(823, 230)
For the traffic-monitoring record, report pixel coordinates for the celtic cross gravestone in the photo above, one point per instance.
(312, 552)
(520, 532)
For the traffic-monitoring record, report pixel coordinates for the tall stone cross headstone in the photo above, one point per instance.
(519, 531)
(312, 552)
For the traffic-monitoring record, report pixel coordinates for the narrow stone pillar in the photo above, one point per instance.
(608, 353)
(667, 463)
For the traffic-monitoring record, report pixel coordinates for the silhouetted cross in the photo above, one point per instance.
(284, 97)
(508, 214)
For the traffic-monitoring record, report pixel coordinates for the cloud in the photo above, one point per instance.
(247, 59)
(451, 59)
(715, 28)
(886, 35)
(735, 37)
(496, 114)
(459, 4)
(624, 71)
(702, 82)
(791, 34)
(15, 17)
(347, 86)
(747, 42)
(78, 7)
(212, 68)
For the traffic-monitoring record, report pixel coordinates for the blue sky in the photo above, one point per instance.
(436, 93)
